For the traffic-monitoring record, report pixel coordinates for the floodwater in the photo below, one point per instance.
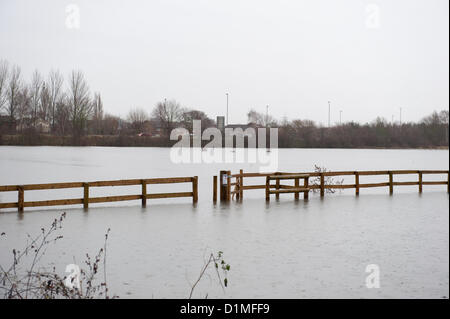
(284, 249)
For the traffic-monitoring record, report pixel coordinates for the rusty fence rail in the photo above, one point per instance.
(232, 185)
(86, 200)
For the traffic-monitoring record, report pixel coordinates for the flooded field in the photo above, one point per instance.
(284, 249)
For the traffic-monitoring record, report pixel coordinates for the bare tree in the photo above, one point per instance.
(13, 91)
(137, 118)
(4, 68)
(167, 113)
(23, 107)
(35, 88)
(97, 113)
(44, 109)
(79, 102)
(62, 116)
(55, 81)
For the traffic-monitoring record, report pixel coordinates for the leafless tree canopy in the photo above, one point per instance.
(14, 87)
(4, 68)
(168, 113)
(80, 105)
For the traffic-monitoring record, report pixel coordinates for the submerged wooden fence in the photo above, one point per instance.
(236, 181)
(86, 200)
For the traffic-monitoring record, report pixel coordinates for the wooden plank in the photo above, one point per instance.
(267, 189)
(435, 183)
(118, 198)
(249, 187)
(373, 185)
(287, 191)
(171, 180)
(170, 195)
(434, 172)
(402, 172)
(9, 205)
(55, 202)
(345, 186)
(404, 183)
(123, 182)
(291, 176)
(373, 173)
(277, 186)
(30, 187)
(8, 188)
(296, 185)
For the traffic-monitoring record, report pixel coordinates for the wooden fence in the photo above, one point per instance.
(232, 185)
(86, 200)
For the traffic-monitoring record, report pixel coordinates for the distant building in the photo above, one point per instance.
(221, 123)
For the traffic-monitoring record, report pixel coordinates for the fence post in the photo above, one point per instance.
(20, 199)
(223, 186)
(86, 196)
(356, 183)
(306, 185)
(215, 189)
(241, 185)
(322, 185)
(391, 183)
(195, 189)
(228, 186)
(144, 193)
(277, 186)
(420, 182)
(296, 185)
(267, 189)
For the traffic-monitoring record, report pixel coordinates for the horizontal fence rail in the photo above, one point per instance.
(232, 185)
(86, 200)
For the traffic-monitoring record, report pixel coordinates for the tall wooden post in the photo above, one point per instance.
(215, 189)
(296, 185)
(228, 186)
(195, 189)
(268, 189)
(306, 185)
(420, 182)
(241, 185)
(322, 185)
(20, 199)
(277, 187)
(144, 193)
(86, 196)
(223, 186)
(356, 183)
(391, 183)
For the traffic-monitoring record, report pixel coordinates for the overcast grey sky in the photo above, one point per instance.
(368, 58)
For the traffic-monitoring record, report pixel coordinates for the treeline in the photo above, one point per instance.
(50, 111)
